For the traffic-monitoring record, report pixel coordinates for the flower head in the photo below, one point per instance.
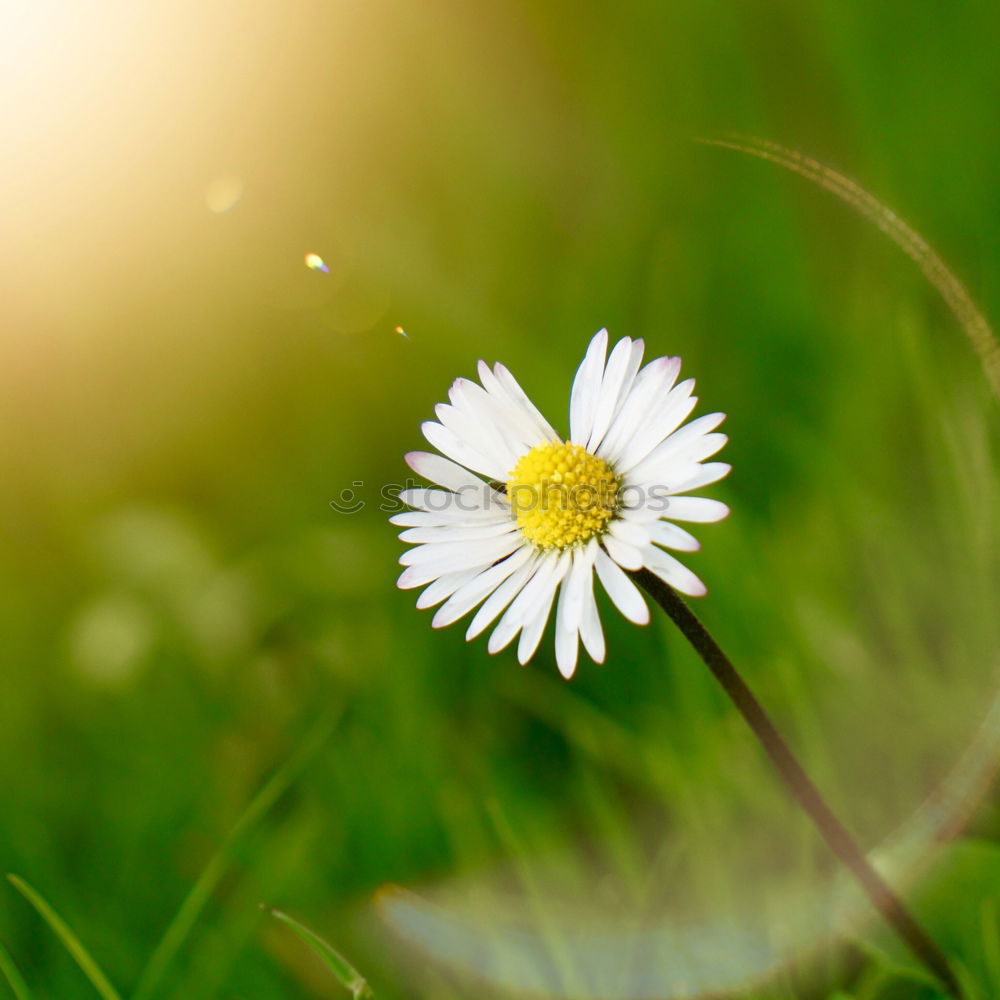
(519, 516)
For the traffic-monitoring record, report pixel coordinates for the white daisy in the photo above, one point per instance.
(522, 515)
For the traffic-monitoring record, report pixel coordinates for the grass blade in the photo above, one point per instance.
(936, 271)
(72, 943)
(346, 974)
(13, 977)
(196, 900)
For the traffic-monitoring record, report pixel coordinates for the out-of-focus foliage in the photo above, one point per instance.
(181, 397)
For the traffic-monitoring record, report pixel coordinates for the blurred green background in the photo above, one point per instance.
(181, 398)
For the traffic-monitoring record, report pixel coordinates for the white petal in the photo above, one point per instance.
(538, 615)
(672, 536)
(490, 424)
(567, 651)
(621, 589)
(408, 579)
(626, 556)
(456, 448)
(651, 384)
(697, 509)
(632, 372)
(532, 429)
(669, 413)
(443, 472)
(468, 506)
(523, 607)
(476, 428)
(502, 596)
(608, 395)
(455, 533)
(680, 448)
(629, 532)
(628, 383)
(461, 555)
(586, 389)
(453, 518)
(702, 475)
(455, 562)
(519, 396)
(677, 465)
(531, 632)
(569, 611)
(421, 519)
(590, 623)
(706, 448)
(668, 569)
(645, 503)
(444, 586)
(697, 428)
(472, 591)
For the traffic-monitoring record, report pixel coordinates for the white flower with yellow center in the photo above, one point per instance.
(521, 514)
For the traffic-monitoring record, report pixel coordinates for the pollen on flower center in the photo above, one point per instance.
(562, 495)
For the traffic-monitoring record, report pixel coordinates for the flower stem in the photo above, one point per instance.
(798, 782)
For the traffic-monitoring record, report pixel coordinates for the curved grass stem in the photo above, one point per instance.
(935, 270)
(805, 792)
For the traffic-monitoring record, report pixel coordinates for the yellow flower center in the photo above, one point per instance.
(562, 495)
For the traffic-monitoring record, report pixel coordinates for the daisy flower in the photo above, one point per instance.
(519, 519)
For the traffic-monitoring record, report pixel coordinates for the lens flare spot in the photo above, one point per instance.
(402, 332)
(316, 263)
(223, 193)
